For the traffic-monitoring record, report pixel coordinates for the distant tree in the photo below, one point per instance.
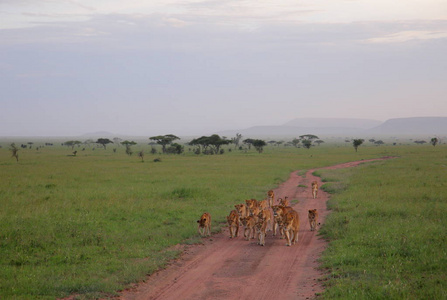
(236, 140)
(213, 142)
(175, 149)
(128, 145)
(309, 137)
(434, 141)
(141, 155)
(88, 142)
(318, 142)
(103, 142)
(14, 151)
(420, 142)
(356, 143)
(306, 143)
(164, 140)
(296, 142)
(279, 143)
(72, 144)
(271, 142)
(248, 142)
(117, 140)
(259, 145)
(371, 140)
(379, 142)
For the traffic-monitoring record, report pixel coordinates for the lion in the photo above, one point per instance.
(242, 210)
(314, 189)
(271, 197)
(205, 224)
(255, 206)
(291, 223)
(264, 218)
(284, 202)
(278, 214)
(233, 223)
(313, 219)
(249, 227)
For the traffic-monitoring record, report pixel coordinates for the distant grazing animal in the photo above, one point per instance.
(271, 196)
(313, 219)
(291, 223)
(314, 189)
(284, 202)
(249, 227)
(205, 224)
(233, 223)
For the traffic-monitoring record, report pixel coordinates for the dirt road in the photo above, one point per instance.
(225, 268)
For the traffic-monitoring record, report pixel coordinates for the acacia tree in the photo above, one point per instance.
(72, 144)
(14, 151)
(236, 140)
(128, 144)
(307, 140)
(164, 140)
(214, 142)
(356, 143)
(259, 145)
(434, 141)
(248, 142)
(104, 142)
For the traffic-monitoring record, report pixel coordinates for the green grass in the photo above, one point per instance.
(387, 231)
(91, 224)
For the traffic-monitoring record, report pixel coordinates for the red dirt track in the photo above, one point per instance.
(224, 268)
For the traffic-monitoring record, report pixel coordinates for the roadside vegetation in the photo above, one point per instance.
(92, 223)
(387, 229)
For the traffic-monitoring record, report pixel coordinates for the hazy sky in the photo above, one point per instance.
(152, 67)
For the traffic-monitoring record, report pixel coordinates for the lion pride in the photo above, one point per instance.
(233, 223)
(242, 210)
(313, 219)
(314, 189)
(205, 224)
(291, 223)
(256, 206)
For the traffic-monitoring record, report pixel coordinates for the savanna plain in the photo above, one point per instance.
(91, 224)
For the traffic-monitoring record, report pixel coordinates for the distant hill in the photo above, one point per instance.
(412, 126)
(334, 123)
(347, 127)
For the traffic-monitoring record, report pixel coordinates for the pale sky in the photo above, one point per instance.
(68, 67)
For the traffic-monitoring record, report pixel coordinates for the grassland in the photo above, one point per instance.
(91, 224)
(387, 231)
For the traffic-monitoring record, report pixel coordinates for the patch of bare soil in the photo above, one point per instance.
(224, 268)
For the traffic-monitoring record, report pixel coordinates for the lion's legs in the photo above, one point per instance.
(287, 234)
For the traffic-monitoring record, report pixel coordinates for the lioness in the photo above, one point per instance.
(264, 218)
(255, 206)
(313, 219)
(314, 189)
(279, 212)
(242, 210)
(271, 196)
(291, 223)
(233, 223)
(205, 224)
(284, 202)
(249, 227)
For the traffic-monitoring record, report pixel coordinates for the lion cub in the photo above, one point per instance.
(205, 224)
(233, 223)
(249, 227)
(314, 189)
(313, 219)
(291, 223)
